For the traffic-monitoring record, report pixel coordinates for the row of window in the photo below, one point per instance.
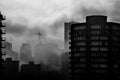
(99, 38)
(92, 38)
(92, 32)
(99, 49)
(99, 43)
(93, 70)
(92, 60)
(99, 54)
(92, 49)
(90, 27)
(116, 38)
(94, 66)
(92, 54)
(100, 60)
(116, 27)
(95, 43)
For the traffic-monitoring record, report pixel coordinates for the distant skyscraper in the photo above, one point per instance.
(8, 45)
(94, 48)
(26, 54)
(8, 51)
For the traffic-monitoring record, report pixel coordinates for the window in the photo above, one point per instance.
(95, 37)
(95, 32)
(80, 54)
(99, 65)
(80, 65)
(99, 60)
(82, 60)
(103, 38)
(96, 27)
(116, 27)
(81, 44)
(98, 43)
(94, 49)
(99, 54)
(95, 43)
(79, 27)
(103, 49)
(79, 38)
(82, 49)
(103, 65)
(82, 38)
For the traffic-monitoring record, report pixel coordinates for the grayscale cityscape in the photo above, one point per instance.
(70, 43)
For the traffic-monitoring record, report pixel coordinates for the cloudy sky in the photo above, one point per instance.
(25, 18)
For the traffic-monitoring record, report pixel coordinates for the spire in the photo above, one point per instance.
(39, 35)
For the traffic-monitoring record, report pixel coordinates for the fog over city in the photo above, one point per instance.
(26, 18)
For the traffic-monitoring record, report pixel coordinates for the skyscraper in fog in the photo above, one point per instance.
(8, 51)
(26, 54)
(94, 48)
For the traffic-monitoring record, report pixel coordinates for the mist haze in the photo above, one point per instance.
(25, 18)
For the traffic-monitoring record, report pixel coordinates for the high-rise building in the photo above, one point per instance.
(65, 55)
(2, 39)
(94, 48)
(26, 54)
(2, 31)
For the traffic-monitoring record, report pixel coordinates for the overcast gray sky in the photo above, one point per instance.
(26, 17)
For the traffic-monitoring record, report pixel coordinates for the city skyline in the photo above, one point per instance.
(40, 23)
(93, 53)
(49, 19)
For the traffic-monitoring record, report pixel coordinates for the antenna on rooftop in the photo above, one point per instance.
(39, 35)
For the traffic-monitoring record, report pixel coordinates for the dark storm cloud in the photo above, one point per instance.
(58, 23)
(81, 14)
(19, 29)
(86, 12)
(15, 29)
(116, 12)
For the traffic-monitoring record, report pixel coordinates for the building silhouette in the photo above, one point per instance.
(31, 67)
(94, 48)
(30, 70)
(10, 66)
(2, 39)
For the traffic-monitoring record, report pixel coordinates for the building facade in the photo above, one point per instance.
(2, 32)
(31, 68)
(10, 66)
(94, 49)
